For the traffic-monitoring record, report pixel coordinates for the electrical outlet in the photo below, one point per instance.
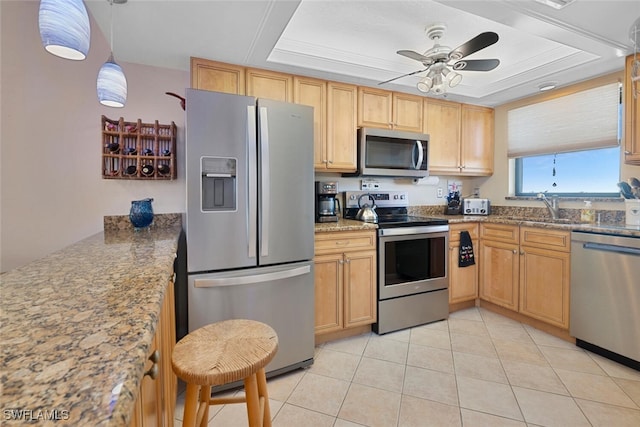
(368, 185)
(476, 192)
(439, 193)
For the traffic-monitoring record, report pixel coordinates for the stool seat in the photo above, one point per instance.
(222, 353)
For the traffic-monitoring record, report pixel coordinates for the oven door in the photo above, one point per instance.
(412, 260)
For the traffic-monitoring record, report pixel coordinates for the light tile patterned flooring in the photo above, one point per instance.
(475, 369)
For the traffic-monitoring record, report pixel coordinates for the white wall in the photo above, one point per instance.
(52, 193)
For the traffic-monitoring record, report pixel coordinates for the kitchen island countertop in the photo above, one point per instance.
(76, 327)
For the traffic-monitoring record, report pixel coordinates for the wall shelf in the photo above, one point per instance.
(136, 150)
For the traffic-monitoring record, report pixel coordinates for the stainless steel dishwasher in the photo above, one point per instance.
(605, 295)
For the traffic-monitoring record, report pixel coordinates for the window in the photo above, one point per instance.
(580, 173)
(569, 145)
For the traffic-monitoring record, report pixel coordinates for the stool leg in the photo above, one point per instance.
(253, 401)
(262, 392)
(205, 397)
(190, 405)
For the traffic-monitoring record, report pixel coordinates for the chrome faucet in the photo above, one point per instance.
(554, 207)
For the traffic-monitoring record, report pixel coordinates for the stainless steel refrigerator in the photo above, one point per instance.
(250, 217)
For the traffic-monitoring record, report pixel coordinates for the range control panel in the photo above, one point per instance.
(476, 207)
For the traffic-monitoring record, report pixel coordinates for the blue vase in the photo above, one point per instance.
(141, 214)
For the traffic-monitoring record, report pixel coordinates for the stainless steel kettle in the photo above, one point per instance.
(367, 213)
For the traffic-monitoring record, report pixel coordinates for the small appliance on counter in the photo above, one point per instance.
(476, 207)
(327, 205)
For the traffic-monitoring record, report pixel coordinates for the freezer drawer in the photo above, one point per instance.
(280, 296)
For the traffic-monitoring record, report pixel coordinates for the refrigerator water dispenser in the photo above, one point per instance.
(218, 184)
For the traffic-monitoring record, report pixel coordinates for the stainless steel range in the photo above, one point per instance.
(413, 284)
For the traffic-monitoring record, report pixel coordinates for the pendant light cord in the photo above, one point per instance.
(111, 27)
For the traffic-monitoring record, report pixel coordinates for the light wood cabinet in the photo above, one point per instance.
(442, 123)
(477, 140)
(334, 115)
(499, 264)
(463, 281)
(461, 138)
(341, 148)
(545, 275)
(345, 280)
(313, 92)
(217, 76)
(528, 270)
(389, 110)
(631, 116)
(269, 85)
(158, 390)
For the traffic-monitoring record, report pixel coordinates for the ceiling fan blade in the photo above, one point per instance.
(476, 65)
(414, 55)
(404, 75)
(477, 43)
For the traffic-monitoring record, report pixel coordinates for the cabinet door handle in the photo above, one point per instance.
(153, 371)
(155, 356)
(515, 251)
(521, 252)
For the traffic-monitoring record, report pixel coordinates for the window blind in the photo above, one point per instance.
(579, 121)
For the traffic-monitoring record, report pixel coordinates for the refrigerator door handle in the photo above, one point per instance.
(256, 278)
(252, 210)
(265, 182)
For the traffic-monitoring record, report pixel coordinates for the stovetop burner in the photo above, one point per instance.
(387, 221)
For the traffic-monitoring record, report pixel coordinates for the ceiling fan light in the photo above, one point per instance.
(112, 85)
(64, 28)
(454, 79)
(425, 84)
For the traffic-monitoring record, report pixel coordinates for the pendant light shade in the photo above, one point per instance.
(64, 28)
(112, 84)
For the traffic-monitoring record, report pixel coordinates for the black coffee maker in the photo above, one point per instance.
(327, 205)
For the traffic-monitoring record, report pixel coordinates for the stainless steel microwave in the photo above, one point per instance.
(392, 153)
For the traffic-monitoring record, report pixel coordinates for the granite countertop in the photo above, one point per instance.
(77, 326)
(344, 225)
(618, 229)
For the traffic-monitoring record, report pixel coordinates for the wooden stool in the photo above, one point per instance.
(222, 353)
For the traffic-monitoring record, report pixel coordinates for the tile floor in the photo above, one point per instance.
(475, 369)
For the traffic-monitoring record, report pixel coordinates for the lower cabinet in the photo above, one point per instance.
(528, 270)
(345, 280)
(159, 387)
(545, 275)
(463, 281)
(499, 264)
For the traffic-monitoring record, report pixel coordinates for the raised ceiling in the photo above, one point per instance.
(356, 41)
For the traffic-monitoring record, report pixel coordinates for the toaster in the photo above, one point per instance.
(476, 207)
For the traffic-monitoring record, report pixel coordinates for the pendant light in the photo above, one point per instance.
(64, 28)
(112, 84)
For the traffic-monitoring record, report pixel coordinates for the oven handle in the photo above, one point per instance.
(401, 231)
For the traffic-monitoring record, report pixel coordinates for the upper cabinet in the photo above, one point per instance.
(270, 85)
(442, 123)
(217, 76)
(460, 138)
(476, 144)
(334, 118)
(389, 110)
(631, 114)
(342, 106)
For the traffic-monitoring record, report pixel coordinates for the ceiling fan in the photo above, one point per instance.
(442, 62)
